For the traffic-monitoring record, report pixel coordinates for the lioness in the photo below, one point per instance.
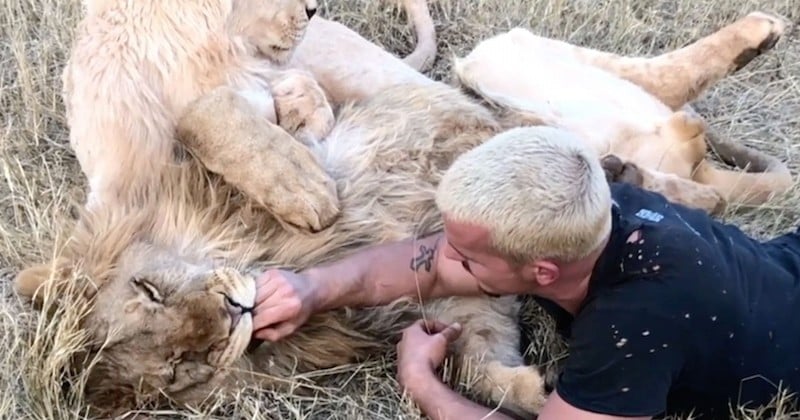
(134, 66)
(636, 108)
(168, 267)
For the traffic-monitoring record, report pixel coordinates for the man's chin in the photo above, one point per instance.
(488, 293)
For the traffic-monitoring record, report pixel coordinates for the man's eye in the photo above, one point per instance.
(465, 264)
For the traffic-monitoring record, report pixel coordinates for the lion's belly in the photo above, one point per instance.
(530, 73)
(347, 66)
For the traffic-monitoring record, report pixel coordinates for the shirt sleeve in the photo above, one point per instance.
(621, 362)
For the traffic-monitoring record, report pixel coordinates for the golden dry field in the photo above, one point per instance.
(41, 181)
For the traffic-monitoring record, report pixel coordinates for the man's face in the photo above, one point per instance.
(470, 245)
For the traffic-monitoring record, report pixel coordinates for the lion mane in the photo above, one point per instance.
(166, 251)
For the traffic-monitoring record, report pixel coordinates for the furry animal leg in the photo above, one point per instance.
(262, 160)
(680, 76)
(684, 191)
(488, 352)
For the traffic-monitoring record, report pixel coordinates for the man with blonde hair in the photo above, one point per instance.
(664, 308)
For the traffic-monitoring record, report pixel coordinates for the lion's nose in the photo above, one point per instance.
(236, 306)
(236, 311)
(311, 12)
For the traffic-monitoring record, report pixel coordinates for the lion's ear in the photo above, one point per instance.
(28, 282)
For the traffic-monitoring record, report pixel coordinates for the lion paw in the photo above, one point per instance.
(302, 107)
(296, 189)
(518, 388)
(761, 32)
(311, 206)
(618, 171)
(686, 126)
(230, 137)
(710, 200)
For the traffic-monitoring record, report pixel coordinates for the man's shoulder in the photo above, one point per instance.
(669, 231)
(652, 207)
(625, 194)
(644, 298)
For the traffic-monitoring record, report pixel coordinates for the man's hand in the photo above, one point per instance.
(422, 350)
(284, 301)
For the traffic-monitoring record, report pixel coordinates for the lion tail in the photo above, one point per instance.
(424, 54)
(759, 175)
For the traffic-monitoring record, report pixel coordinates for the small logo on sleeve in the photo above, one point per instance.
(650, 215)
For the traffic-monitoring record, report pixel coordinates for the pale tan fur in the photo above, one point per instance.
(164, 249)
(386, 155)
(135, 65)
(636, 107)
(563, 213)
(364, 70)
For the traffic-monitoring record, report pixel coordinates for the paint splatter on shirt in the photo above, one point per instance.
(692, 315)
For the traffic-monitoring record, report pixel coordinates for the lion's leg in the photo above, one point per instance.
(680, 76)
(740, 187)
(676, 189)
(488, 352)
(230, 137)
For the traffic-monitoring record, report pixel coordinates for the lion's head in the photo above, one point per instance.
(162, 318)
(274, 27)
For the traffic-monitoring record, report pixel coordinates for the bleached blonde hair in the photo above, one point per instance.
(540, 191)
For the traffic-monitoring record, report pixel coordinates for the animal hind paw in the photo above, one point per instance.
(761, 32)
(520, 389)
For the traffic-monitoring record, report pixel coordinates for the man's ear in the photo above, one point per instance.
(28, 282)
(545, 272)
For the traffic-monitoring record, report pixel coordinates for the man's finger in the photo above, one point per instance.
(271, 316)
(451, 332)
(276, 332)
(265, 287)
(433, 326)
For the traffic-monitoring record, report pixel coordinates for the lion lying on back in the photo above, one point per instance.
(169, 264)
(635, 110)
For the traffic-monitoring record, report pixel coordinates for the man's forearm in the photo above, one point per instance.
(439, 402)
(378, 274)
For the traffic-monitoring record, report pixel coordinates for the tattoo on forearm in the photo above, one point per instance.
(424, 259)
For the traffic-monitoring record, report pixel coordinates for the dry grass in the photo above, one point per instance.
(40, 178)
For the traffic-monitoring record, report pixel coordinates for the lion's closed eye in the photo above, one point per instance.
(147, 289)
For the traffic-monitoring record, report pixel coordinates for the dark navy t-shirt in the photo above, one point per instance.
(695, 315)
